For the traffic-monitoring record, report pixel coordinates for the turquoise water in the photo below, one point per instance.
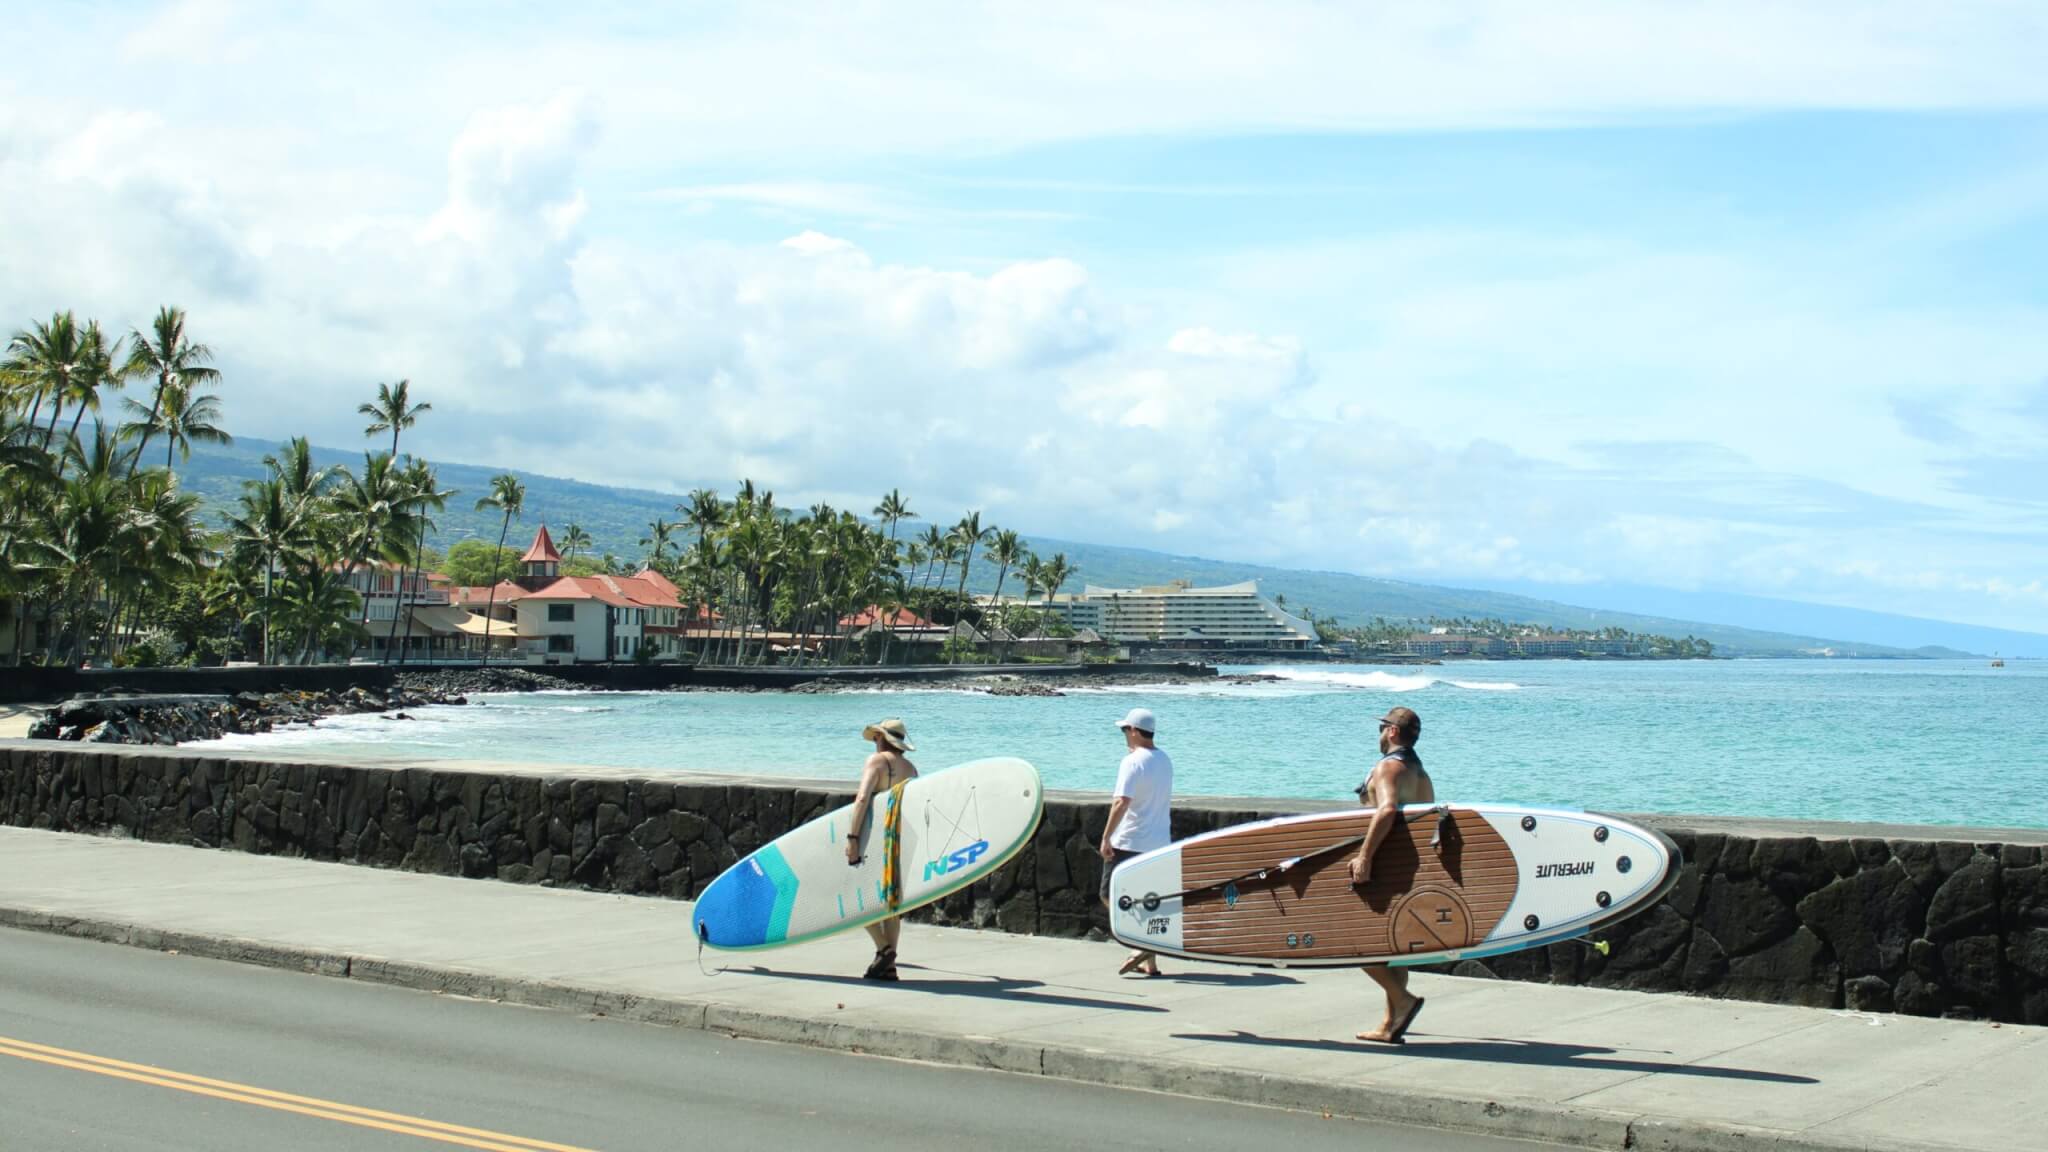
(1936, 742)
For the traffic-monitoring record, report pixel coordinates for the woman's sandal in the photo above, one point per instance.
(884, 966)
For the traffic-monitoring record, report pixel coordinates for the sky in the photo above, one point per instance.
(1740, 297)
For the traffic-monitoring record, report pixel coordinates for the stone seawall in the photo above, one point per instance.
(1922, 920)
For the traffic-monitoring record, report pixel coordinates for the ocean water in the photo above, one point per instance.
(1933, 742)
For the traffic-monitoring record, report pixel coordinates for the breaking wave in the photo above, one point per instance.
(1377, 681)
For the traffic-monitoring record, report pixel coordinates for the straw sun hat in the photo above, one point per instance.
(892, 732)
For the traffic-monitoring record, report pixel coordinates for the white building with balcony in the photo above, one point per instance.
(1180, 615)
(410, 614)
(589, 619)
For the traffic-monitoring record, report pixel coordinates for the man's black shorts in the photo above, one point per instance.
(1110, 866)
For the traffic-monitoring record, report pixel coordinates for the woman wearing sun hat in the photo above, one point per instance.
(885, 774)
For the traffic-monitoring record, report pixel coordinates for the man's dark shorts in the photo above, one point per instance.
(1109, 867)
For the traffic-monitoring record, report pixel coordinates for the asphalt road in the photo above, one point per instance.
(117, 1049)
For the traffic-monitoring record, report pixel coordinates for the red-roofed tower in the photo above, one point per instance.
(543, 565)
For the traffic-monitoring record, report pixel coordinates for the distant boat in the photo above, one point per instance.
(1996, 662)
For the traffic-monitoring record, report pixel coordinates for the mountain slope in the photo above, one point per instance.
(1767, 613)
(617, 519)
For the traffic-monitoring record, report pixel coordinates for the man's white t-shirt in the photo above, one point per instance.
(1146, 777)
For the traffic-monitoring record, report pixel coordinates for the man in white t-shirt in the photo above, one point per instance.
(1140, 810)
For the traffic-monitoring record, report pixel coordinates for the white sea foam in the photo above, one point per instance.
(1378, 681)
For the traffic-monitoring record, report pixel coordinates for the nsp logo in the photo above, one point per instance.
(955, 861)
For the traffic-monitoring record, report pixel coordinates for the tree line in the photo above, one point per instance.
(747, 567)
(108, 559)
(1384, 635)
(103, 557)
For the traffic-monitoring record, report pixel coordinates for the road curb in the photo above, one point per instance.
(1582, 1127)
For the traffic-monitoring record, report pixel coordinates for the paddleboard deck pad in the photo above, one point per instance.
(1450, 882)
(956, 826)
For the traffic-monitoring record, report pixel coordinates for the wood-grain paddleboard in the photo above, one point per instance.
(1451, 882)
(957, 826)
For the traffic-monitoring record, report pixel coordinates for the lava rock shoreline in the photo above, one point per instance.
(115, 717)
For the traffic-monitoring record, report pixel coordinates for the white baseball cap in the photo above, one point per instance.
(1141, 719)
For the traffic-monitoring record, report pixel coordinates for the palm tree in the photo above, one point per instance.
(1034, 580)
(915, 556)
(1005, 548)
(703, 510)
(391, 411)
(181, 416)
(162, 546)
(100, 458)
(660, 534)
(26, 477)
(306, 487)
(267, 527)
(46, 360)
(949, 555)
(891, 510)
(575, 540)
(705, 513)
(933, 539)
(374, 510)
(77, 541)
(99, 371)
(167, 354)
(703, 571)
(747, 552)
(424, 494)
(320, 608)
(969, 534)
(1057, 572)
(304, 481)
(508, 496)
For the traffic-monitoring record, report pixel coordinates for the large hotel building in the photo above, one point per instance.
(1178, 615)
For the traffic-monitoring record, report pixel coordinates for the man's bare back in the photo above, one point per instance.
(1403, 776)
(1397, 779)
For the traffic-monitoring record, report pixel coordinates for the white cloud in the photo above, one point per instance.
(797, 198)
(190, 34)
(788, 79)
(514, 167)
(327, 235)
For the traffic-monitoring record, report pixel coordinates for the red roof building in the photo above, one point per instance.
(478, 596)
(542, 550)
(617, 591)
(873, 617)
(595, 618)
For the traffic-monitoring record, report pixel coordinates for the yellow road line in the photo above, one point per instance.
(279, 1101)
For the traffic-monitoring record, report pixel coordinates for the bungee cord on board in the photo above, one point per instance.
(1151, 901)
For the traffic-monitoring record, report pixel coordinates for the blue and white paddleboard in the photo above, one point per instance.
(957, 826)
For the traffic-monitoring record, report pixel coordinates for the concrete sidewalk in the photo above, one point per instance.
(1581, 1066)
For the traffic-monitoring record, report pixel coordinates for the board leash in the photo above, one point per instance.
(1151, 901)
(703, 936)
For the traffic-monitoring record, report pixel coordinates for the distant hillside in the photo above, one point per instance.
(617, 518)
(1353, 598)
(1765, 613)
